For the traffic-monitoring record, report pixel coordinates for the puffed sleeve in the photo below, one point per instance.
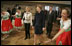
(7, 14)
(16, 13)
(67, 25)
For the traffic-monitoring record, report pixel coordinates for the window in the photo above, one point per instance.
(47, 8)
(54, 8)
(57, 8)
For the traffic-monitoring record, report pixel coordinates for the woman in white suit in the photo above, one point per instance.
(27, 17)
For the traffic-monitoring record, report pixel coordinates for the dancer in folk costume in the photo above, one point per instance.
(6, 25)
(64, 34)
(18, 22)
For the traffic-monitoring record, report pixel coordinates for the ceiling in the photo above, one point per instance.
(56, 2)
(52, 2)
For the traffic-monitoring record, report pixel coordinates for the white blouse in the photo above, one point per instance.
(18, 14)
(6, 16)
(28, 17)
(66, 24)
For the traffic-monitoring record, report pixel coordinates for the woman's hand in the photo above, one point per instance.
(43, 28)
(48, 41)
(58, 18)
(32, 27)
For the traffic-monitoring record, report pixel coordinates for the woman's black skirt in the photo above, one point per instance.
(38, 30)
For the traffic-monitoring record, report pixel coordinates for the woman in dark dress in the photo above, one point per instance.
(39, 24)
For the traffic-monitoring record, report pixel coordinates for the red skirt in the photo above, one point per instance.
(64, 38)
(6, 25)
(18, 22)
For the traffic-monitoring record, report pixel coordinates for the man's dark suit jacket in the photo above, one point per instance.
(50, 17)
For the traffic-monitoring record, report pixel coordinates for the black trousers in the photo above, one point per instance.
(49, 28)
(27, 30)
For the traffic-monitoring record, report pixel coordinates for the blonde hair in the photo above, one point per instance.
(28, 7)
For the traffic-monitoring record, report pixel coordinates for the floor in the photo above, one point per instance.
(17, 38)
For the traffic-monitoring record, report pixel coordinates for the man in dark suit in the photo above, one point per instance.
(55, 13)
(59, 16)
(50, 21)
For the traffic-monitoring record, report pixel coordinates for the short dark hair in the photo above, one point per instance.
(19, 8)
(39, 5)
(51, 6)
